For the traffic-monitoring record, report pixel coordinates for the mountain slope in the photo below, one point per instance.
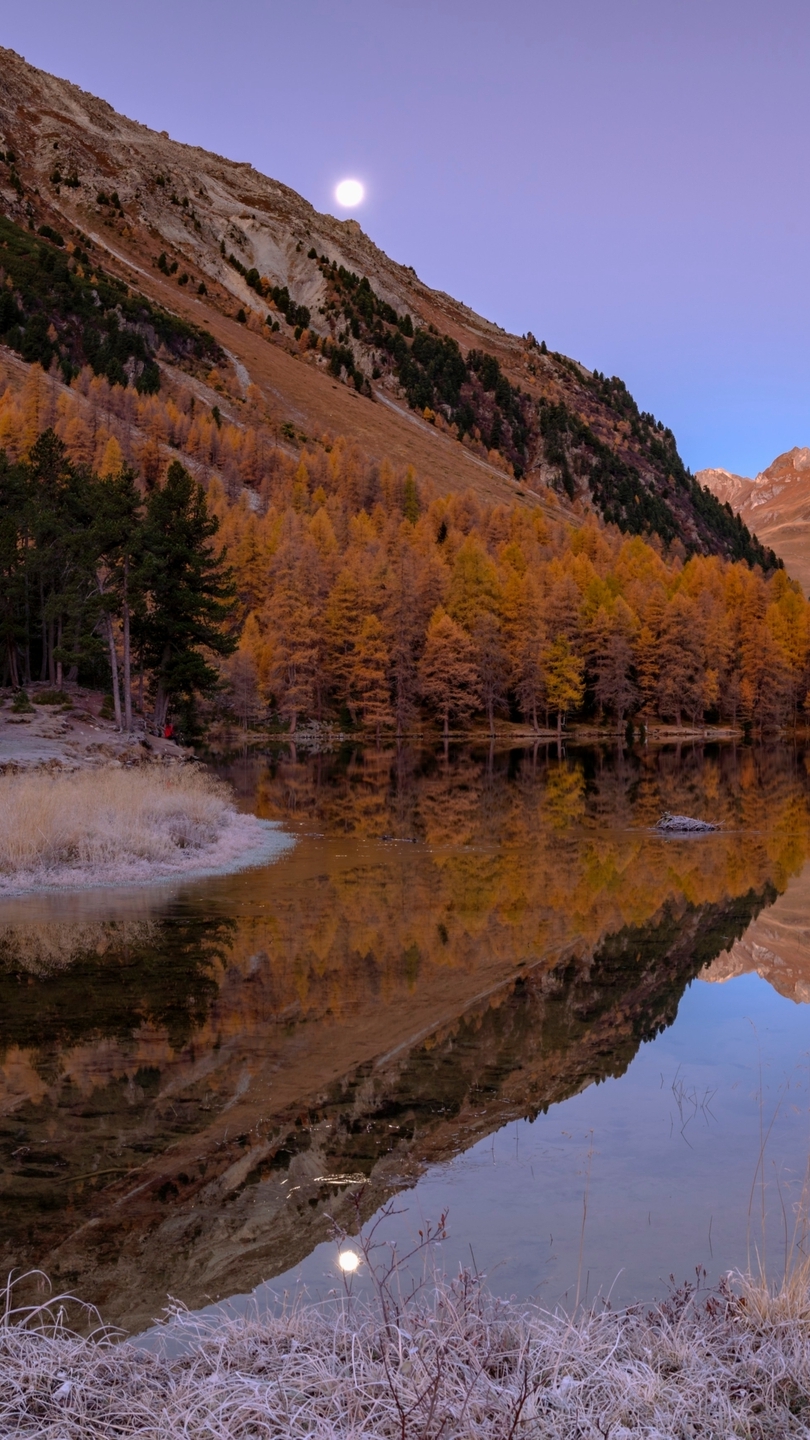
(335, 335)
(775, 505)
(776, 945)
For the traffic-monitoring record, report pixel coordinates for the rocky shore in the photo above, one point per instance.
(73, 734)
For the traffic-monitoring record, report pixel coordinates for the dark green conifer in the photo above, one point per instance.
(189, 594)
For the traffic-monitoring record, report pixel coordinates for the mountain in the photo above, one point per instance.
(128, 251)
(775, 506)
(776, 945)
(197, 1207)
(169, 1071)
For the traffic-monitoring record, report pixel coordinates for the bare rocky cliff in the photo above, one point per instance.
(775, 505)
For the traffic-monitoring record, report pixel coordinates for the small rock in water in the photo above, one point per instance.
(671, 823)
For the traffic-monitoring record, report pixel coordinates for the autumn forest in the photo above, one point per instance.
(344, 588)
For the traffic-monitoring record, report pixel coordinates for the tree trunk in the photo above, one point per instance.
(161, 698)
(12, 663)
(43, 668)
(559, 729)
(73, 672)
(446, 725)
(59, 647)
(161, 708)
(114, 670)
(127, 654)
(27, 633)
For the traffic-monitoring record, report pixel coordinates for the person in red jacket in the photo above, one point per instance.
(168, 731)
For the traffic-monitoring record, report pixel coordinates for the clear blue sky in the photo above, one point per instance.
(626, 178)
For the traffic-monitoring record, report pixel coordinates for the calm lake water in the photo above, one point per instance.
(480, 983)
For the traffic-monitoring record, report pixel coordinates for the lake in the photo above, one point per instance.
(479, 984)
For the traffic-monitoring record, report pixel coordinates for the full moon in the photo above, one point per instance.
(348, 1260)
(349, 193)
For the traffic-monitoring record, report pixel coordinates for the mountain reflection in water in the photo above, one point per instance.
(187, 1074)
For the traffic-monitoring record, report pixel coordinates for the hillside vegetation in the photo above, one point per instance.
(362, 591)
(471, 397)
(56, 307)
(332, 585)
(420, 518)
(319, 317)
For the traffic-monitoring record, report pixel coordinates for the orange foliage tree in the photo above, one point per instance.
(355, 576)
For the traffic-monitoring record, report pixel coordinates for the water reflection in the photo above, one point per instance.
(189, 1082)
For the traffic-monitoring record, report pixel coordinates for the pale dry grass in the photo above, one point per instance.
(103, 825)
(43, 948)
(453, 1363)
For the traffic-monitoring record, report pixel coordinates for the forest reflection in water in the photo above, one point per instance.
(193, 1079)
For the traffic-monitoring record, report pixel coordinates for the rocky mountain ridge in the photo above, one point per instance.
(776, 945)
(211, 1194)
(775, 505)
(336, 336)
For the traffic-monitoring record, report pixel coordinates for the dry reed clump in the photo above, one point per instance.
(452, 1363)
(42, 949)
(101, 822)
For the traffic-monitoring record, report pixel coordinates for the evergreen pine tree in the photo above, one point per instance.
(115, 539)
(189, 594)
(61, 571)
(12, 566)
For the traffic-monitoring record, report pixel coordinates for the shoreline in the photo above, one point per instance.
(449, 1358)
(263, 841)
(327, 739)
(62, 740)
(112, 826)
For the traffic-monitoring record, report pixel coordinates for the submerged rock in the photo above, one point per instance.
(676, 824)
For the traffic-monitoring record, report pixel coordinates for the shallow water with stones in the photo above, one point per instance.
(479, 984)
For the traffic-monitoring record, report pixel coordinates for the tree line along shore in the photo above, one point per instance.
(324, 585)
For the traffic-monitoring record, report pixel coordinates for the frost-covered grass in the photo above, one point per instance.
(111, 825)
(453, 1362)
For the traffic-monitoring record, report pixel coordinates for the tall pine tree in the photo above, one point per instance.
(189, 595)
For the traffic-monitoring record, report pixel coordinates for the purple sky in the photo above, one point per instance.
(626, 178)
